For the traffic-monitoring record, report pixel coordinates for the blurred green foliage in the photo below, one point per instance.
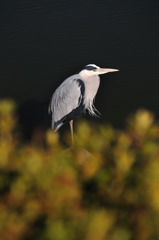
(107, 187)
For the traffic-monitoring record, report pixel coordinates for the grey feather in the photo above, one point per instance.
(64, 100)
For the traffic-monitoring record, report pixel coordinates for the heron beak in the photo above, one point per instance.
(106, 70)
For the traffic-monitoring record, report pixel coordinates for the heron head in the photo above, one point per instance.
(92, 69)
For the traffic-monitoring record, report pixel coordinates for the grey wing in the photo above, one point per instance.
(66, 98)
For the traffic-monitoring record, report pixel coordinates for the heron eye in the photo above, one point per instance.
(94, 70)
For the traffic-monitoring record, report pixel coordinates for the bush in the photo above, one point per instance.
(109, 191)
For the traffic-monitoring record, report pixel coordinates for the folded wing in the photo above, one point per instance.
(67, 102)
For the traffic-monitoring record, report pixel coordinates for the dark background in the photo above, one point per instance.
(44, 42)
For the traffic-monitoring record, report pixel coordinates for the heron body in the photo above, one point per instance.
(76, 95)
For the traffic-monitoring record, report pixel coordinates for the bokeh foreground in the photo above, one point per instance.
(109, 192)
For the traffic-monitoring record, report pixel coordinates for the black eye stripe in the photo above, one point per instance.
(89, 68)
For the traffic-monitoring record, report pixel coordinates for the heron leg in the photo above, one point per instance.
(71, 128)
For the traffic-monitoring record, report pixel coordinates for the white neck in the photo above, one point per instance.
(91, 87)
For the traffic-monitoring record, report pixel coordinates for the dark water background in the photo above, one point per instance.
(43, 42)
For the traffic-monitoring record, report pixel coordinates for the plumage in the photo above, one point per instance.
(67, 101)
(76, 95)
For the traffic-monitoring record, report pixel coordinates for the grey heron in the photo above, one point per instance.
(75, 96)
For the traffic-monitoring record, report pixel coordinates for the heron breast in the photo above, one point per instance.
(91, 88)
